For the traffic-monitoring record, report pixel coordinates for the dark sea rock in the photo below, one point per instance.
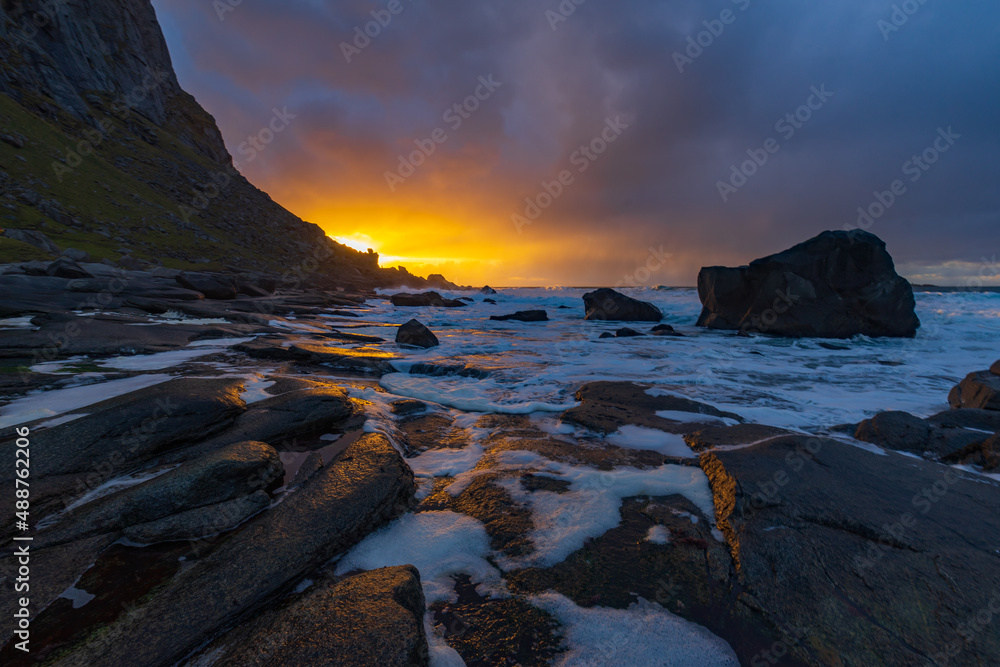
(492, 301)
(979, 390)
(487, 290)
(372, 618)
(626, 332)
(606, 334)
(607, 304)
(665, 330)
(425, 299)
(416, 334)
(363, 487)
(877, 559)
(523, 316)
(995, 368)
(836, 285)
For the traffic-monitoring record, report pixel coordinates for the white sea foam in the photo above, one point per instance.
(658, 535)
(639, 437)
(643, 634)
(438, 544)
(591, 506)
(796, 384)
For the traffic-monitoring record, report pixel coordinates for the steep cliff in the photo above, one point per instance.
(101, 150)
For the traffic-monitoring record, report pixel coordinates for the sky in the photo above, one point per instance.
(591, 142)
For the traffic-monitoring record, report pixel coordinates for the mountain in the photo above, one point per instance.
(102, 151)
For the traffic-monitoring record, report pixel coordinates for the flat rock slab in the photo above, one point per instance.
(291, 414)
(234, 471)
(880, 559)
(363, 487)
(67, 336)
(373, 618)
(122, 431)
(607, 406)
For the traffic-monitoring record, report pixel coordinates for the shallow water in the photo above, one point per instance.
(783, 382)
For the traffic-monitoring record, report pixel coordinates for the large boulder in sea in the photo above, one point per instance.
(416, 334)
(836, 285)
(607, 304)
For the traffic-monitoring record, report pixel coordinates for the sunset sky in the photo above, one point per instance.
(641, 108)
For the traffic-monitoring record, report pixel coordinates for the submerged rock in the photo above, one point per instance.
(425, 299)
(836, 285)
(523, 316)
(416, 334)
(626, 332)
(664, 330)
(607, 304)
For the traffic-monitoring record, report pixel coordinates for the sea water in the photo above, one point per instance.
(800, 384)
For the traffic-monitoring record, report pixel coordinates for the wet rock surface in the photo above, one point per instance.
(363, 487)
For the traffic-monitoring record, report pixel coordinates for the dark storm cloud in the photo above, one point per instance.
(894, 84)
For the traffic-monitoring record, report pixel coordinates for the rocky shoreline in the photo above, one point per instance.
(230, 510)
